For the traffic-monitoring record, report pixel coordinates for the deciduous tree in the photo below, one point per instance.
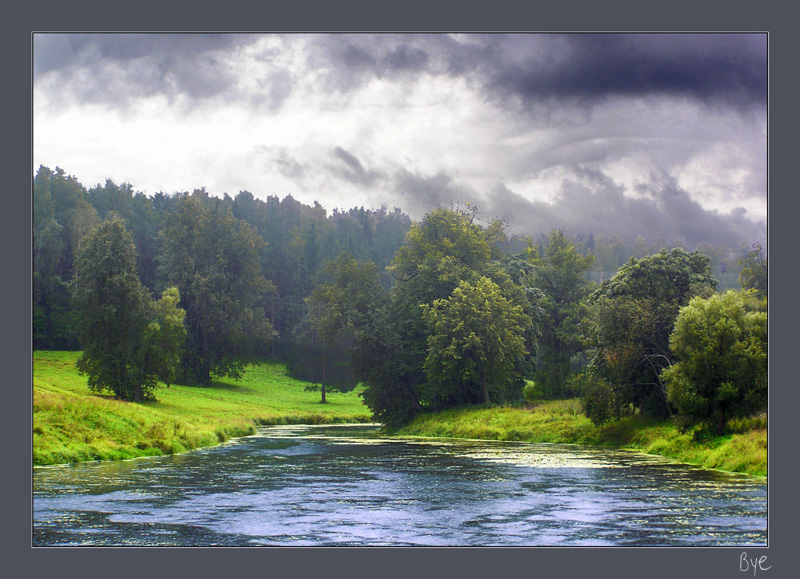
(475, 345)
(721, 342)
(634, 313)
(213, 259)
(129, 342)
(559, 273)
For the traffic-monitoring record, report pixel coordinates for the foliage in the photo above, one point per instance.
(475, 344)
(558, 271)
(61, 218)
(633, 315)
(754, 273)
(598, 398)
(442, 252)
(722, 345)
(338, 314)
(129, 342)
(165, 336)
(212, 258)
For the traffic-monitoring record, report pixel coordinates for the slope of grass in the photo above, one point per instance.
(562, 422)
(71, 424)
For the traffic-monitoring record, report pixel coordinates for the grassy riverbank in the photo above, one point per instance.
(562, 422)
(72, 424)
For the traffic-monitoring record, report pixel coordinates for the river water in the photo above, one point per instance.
(345, 485)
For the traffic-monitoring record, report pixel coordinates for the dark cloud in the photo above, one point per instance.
(598, 205)
(283, 162)
(590, 202)
(528, 69)
(725, 69)
(351, 169)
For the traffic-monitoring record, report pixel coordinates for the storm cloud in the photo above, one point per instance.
(653, 135)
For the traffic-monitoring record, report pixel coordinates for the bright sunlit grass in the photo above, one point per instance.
(561, 421)
(71, 424)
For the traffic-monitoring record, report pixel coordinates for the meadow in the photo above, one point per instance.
(72, 424)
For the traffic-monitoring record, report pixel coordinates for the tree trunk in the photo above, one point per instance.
(485, 389)
(720, 421)
(324, 377)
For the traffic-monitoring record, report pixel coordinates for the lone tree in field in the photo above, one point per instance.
(129, 341)
(337, 314)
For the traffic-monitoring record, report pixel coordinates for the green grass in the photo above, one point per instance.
(561, 421)
(72, 424)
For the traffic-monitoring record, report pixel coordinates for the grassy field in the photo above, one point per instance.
(562, 422)
(72, 424)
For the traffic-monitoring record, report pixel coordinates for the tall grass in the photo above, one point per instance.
(561, 421)
(72, 424)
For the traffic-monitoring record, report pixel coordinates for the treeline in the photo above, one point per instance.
(428, 315)
(294, 242)
(466, 324)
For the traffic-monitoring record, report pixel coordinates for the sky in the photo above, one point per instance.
(662, 136)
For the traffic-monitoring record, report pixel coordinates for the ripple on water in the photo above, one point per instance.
(327, 485)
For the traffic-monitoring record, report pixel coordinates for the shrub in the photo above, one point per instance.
(597, 397)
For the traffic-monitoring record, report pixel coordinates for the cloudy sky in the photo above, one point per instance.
(663, 136)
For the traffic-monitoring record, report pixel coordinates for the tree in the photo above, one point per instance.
(721, 342)
(559, 273)
(213, 259)
(633, 316)
(475, 344)
(165, 336)
(61, 217)
(337, 314)
(128, 342)
(443, 249)
(754, 270)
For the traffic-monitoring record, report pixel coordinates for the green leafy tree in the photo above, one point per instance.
(634, 313)
(166, 335)
(379, 360)
(754, 270)
(475, 344)
(559, 273)
(213, 259)
(338, 312)
(721, 342)
(443, 249)
(128, 342)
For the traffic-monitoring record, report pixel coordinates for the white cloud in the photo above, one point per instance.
(345, 123)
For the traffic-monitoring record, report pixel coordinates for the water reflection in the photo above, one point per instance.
(344, 485)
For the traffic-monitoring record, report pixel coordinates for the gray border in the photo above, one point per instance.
(777, 17)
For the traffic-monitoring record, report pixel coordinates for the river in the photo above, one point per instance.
(346, 485)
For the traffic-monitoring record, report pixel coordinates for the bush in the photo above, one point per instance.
(598, 400)
(530, 392)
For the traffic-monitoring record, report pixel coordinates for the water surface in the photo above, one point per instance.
(345, 485)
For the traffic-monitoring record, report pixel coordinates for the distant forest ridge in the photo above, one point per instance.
(299, 241)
